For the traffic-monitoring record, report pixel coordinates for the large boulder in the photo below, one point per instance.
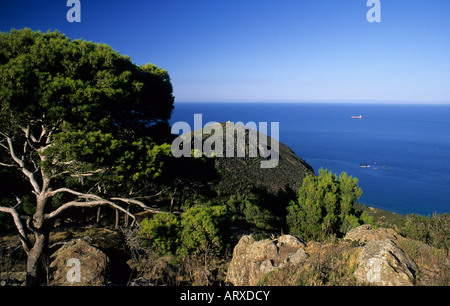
(383, 263)
(365, 233)
(93, 264)
(253, 259)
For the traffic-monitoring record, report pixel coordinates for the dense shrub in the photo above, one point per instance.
(251, 216)
(205, 229)
(200, 229)
(161, 233)
(325, 206)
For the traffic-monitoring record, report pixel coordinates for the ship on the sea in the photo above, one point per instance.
(356, 117)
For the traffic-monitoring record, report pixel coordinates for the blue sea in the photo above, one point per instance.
(400, 153)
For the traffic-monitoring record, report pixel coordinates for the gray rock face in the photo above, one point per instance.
(365, 233)
(253, 259)
(380, 261)
(92, 268)
(383, 263)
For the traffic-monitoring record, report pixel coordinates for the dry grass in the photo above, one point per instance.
(433, 263)
(331, 264)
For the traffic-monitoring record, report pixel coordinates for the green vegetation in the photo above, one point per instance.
(161, 233)
(383, 218)
(79, 123)
(81, 127)
(187, 246)
(201, 229)
(205, 229)
(325, 206)
(434, 231)
(259, 212)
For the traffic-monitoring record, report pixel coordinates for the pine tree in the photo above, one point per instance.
(325, 206)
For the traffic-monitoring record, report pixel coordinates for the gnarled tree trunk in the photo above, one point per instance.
(37, 259)
(37, 256)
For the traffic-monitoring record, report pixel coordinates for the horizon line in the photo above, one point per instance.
(397, 102)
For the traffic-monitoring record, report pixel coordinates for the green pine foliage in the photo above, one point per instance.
(205, 229)
(325, 206)
(78, 122)
(201, 229)
(161, 233)
(254, 212)
(96, 111)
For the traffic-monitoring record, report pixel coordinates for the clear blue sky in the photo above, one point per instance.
(268, 50)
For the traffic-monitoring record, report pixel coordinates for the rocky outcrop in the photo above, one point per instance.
(93, 264)
(253, 259)
(365, 233)
(382, 262)
(377, 260)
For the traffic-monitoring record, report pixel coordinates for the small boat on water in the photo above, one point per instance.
(374, 166)
(356, 117)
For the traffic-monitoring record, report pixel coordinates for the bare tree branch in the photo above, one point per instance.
(76, 193)
(99, 202)
(28, 134)
(95, 200)
(151, 196)
(139, 203)
(89, 173)
(30, 225)
(131, 201)
(1, 144)
(19, 225)
(43, 133)
(21, 163)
